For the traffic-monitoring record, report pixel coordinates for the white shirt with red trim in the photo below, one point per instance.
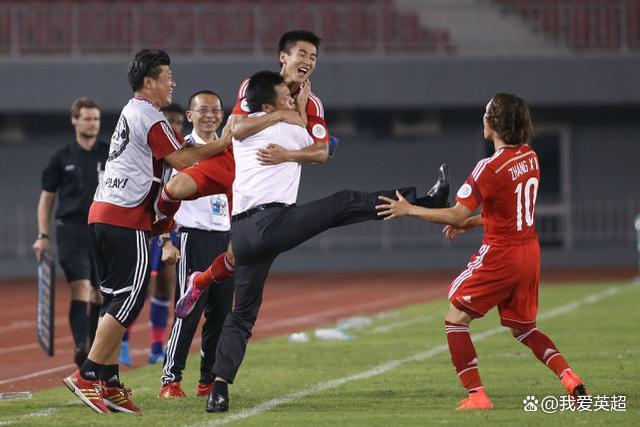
(257, 184)
(135, 169)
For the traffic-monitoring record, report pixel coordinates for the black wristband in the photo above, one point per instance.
(43, 236)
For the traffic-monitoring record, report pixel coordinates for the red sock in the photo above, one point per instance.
(544, 349)
(167, 205)
(463, 355)
(221, 268)
(158, 334)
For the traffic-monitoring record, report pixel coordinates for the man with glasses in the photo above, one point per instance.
(204, 234)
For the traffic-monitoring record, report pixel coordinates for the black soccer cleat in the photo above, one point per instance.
(438, 195)
(217, 403)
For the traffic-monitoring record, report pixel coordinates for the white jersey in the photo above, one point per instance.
(128, 174)
(257, 184)
(135, 169)
(209, 213)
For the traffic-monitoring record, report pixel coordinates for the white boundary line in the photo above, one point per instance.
(392, 364)
(397, 325)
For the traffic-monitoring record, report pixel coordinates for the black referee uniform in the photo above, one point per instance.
(73, 173)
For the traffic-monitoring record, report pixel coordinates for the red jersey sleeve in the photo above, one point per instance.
(241, 108)
(316, 125)
(477, 186)
(163, 140)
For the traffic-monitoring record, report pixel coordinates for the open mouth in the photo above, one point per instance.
(303, 72)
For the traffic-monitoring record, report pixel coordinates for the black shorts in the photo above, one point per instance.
(123, 268)
(75, 252)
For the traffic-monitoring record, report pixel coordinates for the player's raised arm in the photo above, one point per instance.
(187, 156)
(245, 126)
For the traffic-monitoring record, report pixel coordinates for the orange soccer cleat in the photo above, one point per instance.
(171, 390)
(476, 400)
(118, 399)
(573, 384)
(204, 390)
(90, 392)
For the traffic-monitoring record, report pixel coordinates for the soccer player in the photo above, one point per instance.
(142, 153)
(72, 174)
(505, 271)
(163, 274)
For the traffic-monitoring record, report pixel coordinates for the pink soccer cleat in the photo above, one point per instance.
(189, 300)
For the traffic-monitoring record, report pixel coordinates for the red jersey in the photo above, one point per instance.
(316, 125)
(506, 184)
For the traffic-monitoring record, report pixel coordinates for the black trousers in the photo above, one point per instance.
(198, 248)
(257, 241)
(76, 254)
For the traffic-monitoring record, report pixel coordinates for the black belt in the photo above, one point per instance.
(259, 208)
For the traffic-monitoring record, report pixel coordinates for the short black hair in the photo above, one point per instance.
(261, 89)
(146, 63)
(289, 39)
(173, 108)
(203, 92)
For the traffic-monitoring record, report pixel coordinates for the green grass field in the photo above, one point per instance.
(397, 371)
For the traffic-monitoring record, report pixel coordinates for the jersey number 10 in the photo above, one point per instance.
(530, 192)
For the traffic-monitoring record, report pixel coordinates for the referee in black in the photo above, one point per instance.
(72, 173)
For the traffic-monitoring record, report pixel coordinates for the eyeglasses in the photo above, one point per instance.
(205, 111)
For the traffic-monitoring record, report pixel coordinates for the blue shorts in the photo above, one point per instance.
(155, 253)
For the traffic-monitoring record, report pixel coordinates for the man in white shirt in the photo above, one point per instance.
(266, 221)
(204, 226)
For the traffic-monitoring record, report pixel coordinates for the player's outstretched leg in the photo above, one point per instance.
(220, 269)
(545, 351)
(465, 361)
(168, 204)
(438, 194)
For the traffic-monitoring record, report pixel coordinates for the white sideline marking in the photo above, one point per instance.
(393, 326)
(392, 364)
(61, 340)
(44, 413)
(324, 315)
(39, 373)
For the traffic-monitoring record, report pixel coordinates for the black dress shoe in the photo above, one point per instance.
(217, 403)
(438, 195)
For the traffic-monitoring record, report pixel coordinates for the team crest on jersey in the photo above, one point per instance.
(464, 191)
(119, 139)
(244, 106)
(319, 131)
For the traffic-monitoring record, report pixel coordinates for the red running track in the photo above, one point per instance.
(292, 302)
